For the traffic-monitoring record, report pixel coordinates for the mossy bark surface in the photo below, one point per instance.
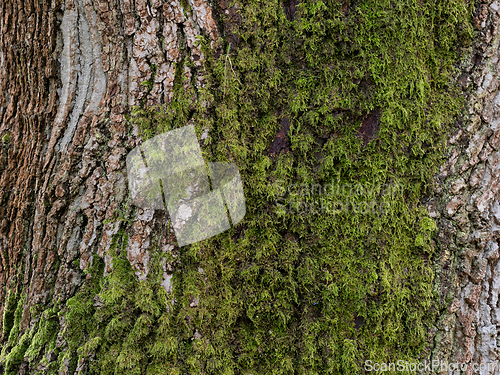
(341, 117)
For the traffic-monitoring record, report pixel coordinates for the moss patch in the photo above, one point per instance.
(329, 267)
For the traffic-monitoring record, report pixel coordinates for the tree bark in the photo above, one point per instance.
(71, 74)
(466, 204)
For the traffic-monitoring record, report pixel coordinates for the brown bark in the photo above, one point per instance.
(69, 71)
(466, 205)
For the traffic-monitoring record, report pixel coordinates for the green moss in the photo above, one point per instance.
(14, 348)
(16, 355)
(45, 332)
(8, 313)
(6, 138)
(334, 232)
(149, 83)
(186, 7)
(282, 289)
(123, 334)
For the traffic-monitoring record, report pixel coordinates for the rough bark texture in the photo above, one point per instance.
(468, 211)
(70, 72)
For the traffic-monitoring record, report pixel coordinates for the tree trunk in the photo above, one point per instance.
(70, 71)
(467, 207)
(357, 96)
